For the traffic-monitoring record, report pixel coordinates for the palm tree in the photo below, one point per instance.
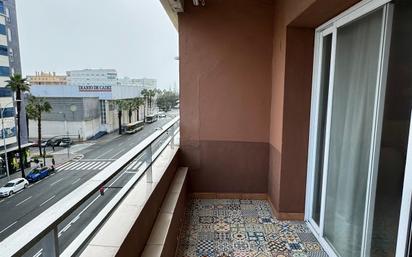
(34, 109)
(129, 107)
(145, 94)
(138, 101)
(121, 105)
(19, 85)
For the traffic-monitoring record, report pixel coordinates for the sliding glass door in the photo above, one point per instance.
(348, 97)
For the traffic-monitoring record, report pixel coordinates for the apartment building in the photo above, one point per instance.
(12, 36)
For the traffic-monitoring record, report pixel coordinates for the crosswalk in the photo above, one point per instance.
(134, 165)
(96, 165)
(84, 165)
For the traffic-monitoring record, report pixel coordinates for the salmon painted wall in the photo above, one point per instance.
(293, 36)
(225, 84)
(245, 81)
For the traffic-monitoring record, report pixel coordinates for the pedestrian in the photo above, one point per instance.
(101, 190)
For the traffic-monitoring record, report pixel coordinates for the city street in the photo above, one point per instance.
(20, 208)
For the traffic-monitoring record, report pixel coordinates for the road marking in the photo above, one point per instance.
(131, 172)
(85, 208)
(130, 165)
(136, 166)
(47, 200)
(8, 227)
(106, 164)
(55, 182)
(68, 226)
(2, 201)
(70, 165)
(39, 253)
(77, 180)
(100, 165)
(91, 160)
(24, 200)
(92, 167)
(88, 165)
(78, 164)
(64, 165)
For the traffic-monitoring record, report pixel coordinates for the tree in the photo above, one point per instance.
(19, 85)
(148, 96)
(121, 105)
(34, 109)
(167, 100)
(145, 94)
(129, 104)
(137, 102)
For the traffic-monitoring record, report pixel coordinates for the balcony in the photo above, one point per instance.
(262, 164)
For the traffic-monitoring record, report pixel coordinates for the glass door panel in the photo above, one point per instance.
(394, 136)
(321, 127)
(352, 114)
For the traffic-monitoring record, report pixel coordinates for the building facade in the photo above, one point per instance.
(77, 117)
(12, 36)
(47, 78)
(6, 95)
(106, 108)
(90, 77)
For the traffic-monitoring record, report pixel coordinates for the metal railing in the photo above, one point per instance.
(43, 231)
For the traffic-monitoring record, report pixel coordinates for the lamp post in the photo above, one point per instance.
(4, 136)
(67, 133)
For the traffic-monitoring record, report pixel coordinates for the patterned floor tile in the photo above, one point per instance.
(242, 228)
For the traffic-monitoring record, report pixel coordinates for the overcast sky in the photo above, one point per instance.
(135, 37)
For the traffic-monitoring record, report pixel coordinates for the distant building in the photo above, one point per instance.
(47, 78)
(147, 83)
(142, 83)
(107, 112)
(92, 77)
(12, 36)
(9, 64)
(79, 117)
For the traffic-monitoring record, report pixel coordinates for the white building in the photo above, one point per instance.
(6, 96)
(144, 83)
(147, 83)
(83, 124)
(88, 77)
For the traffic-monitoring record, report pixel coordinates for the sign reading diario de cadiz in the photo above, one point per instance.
(95, 88)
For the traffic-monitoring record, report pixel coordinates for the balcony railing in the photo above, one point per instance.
(41, 235)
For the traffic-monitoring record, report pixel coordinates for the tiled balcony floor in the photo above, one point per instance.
(243, 228)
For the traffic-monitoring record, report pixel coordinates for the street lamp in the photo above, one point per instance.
(4, 136)
(67, 133)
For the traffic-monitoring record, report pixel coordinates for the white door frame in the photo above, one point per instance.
(404, 225)
(331, 26)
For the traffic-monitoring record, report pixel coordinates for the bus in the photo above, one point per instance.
(151, 118)
(134, 127)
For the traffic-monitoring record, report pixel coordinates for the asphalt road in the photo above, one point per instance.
(22, 207)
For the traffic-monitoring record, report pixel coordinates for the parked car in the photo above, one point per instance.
(37, 174)
(13, 186)
(45, 143)
(54, 142)
(66, 141)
